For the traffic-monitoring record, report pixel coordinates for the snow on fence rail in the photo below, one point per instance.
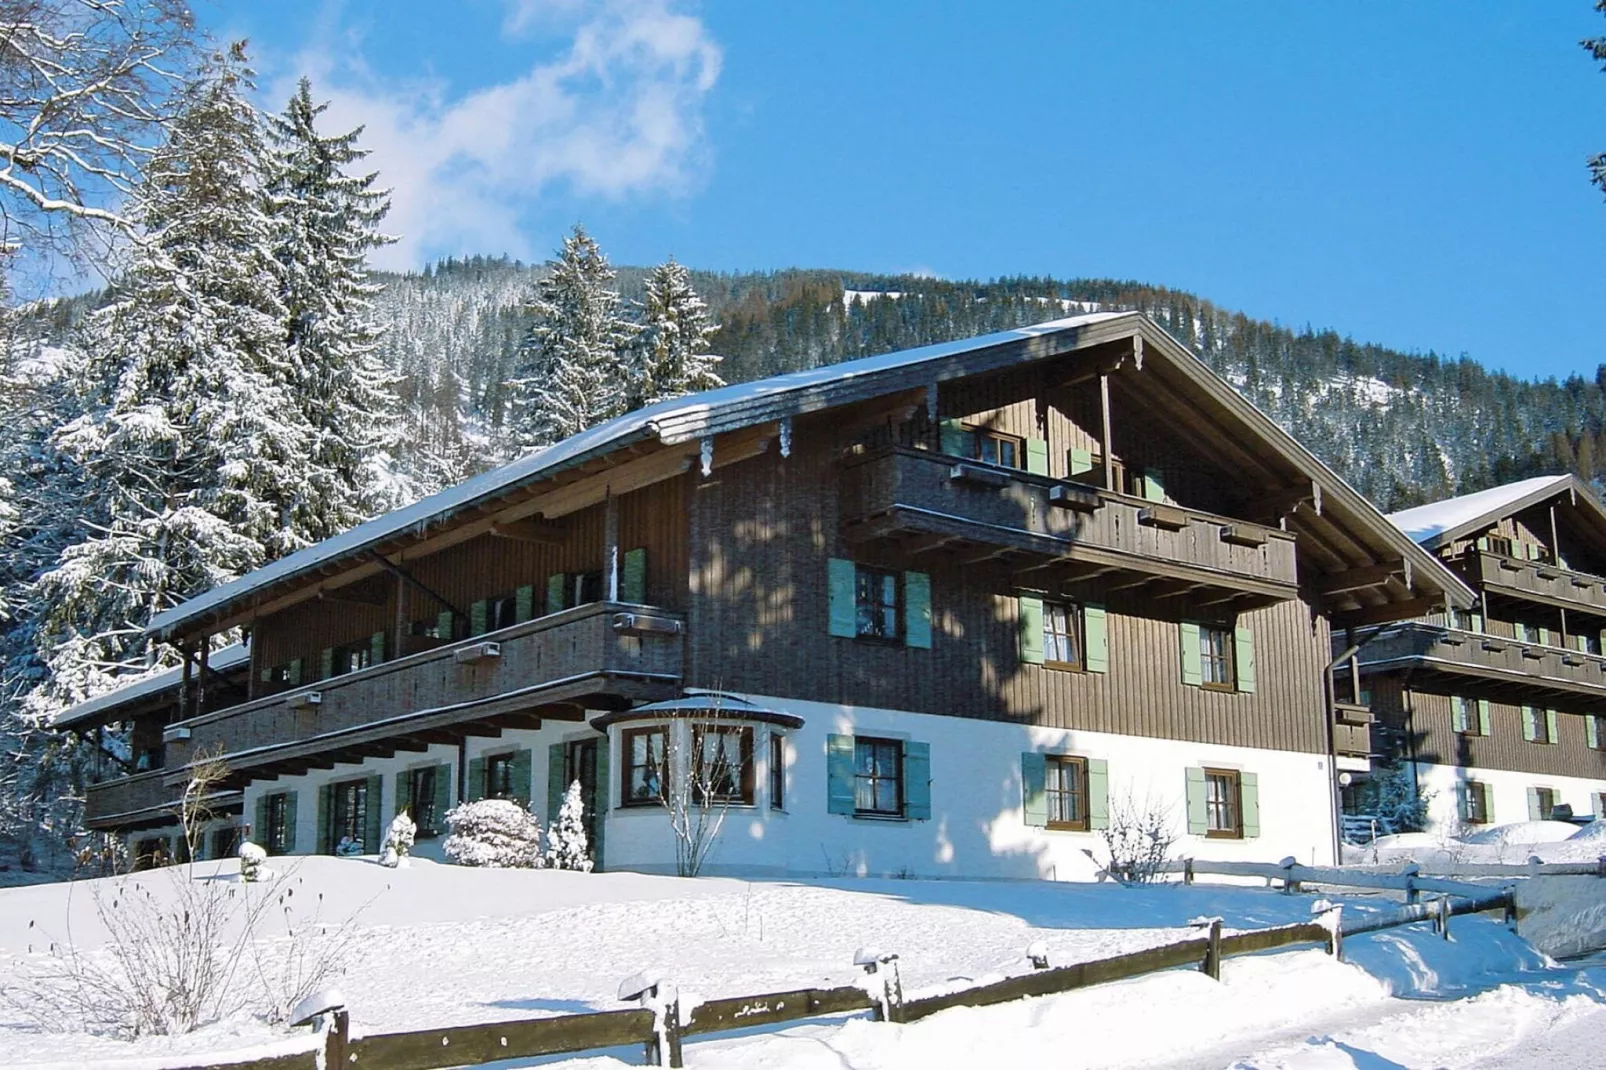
(1407, 878)
(659, 1027)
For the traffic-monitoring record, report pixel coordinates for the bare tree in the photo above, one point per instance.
(1139, 837)
(707, 766)
(208, 774)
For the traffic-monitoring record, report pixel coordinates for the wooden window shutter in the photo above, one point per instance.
(839, 774)
(376, 648)
(1153, 485)
(555, 787)
(1551, 735)
(1483, 717)
(478, 617)
(954, 440)
(1530, 724)
(371, 834)
(1034, 788)
(292, 673)
(474, 786)
(557, 586)
(1592, 731)
(325, 818)
(443, 794)
(1487, 797)
(1533, 804)
(290, 822)
(1029, 614)
(1249, 801)
(326, 663)
(1198, 818)
(1458, 713)
(404, 792)
(1597, 804)
(259, 826)
(1192, 658)
(917, 781)
(443, 625)
(604, 796)
(1477, 622)
(917, 610)
(1081, 462)
(524, 603)
(633, 577)
(522, 785)
(1096, 628)
(1544, 636)
(1243, 652)
(1098, 793)
(841, 577)
(1037, 456)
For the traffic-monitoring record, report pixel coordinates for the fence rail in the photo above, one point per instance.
(1405, 877)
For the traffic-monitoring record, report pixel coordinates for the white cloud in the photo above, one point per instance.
(616, 113)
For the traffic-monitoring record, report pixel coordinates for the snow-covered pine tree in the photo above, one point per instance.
(566, 846)
(671, 353)
(570, 373)
(326, 221)
(189, 442)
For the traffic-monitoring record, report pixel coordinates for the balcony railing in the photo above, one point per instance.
(1352, 731)
(897, 492)
(1532, 673)
(129, 800)
(596, 652)
(1536, 581)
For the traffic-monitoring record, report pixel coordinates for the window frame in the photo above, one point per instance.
(1548, 799)
(341, 658)
(777, 770)
(1600, 731)
(339, 806)
(417, 801)
(582, 584)
(627, 737)
(1076, 634)
(1076, 766)
(1473, 724)
(896, 607)
(878, 744)
(1541, 722)
(1478, 790)
(1234, 800)
(497, 766)
(744, 783)
(981, 437)
(277, 835)
(1227, 658)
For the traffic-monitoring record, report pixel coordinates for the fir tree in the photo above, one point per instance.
(566, 846)
(570, 371)
(326, 222)
(672, 356)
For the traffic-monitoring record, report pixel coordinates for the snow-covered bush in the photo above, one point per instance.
(398, 841)
(1139, 837)
(493, 832)
(1393, 796)
(253, 863)
(566, 846)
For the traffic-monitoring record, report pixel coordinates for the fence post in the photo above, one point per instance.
(1187, 869)
(337, 1040)
(885, 967)
(1444, 916)
(1211, 967)
(1511, 909)
(1411, 894)
(1600, 866)
(671, 1013)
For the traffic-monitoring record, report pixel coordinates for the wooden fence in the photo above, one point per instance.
(1406, 877)
(657, 1027)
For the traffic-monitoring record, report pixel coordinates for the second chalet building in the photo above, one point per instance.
(950, 611)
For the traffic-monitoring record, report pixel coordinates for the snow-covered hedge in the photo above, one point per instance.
(493, 832)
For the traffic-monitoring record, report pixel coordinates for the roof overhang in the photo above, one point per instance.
(1590, 513)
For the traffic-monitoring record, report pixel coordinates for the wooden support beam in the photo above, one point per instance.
(531, 529)
(1357, 579)
(1279, 502)
(346, 595)
(1382, 614)
(925, 544)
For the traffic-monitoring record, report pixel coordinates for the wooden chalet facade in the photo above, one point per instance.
(947, 610)
(1501, 709)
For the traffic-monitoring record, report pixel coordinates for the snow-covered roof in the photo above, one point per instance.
(146, 686)
(1430, 525)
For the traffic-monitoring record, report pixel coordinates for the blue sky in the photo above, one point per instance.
(1408, 174)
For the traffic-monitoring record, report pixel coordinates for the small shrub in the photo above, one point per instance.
(398, 841)
(253, 863)
(493, 832)
(1139, 838)
(566, 846)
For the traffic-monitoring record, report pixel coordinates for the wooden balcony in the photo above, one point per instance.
(1487, 666)
(1352, 731)
(143, 799)
(1535, 581)
(917, 502)
(598, 656)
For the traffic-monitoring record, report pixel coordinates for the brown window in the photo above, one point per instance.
(1545, 802)
(502, 612)
(1065, 783)
(876, 601)
(1464, 716)
(722, 763)
(277, 834)
(644, 770)
(226, 842)
(1215, 657)
(351, 657)
(348, 817)
(421, 789)
(1528, 633)
(995, 447)
(1475, 802)
(586, 587)
(877, 776)
(1499, 544)
(1062, 635)
(777, 771)
(499, 776)
(1223, 804)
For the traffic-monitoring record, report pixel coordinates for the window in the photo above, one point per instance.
(1223, 804)
(1595, 731)
(722, 763)
(1465, 717)
(1475, 802)
(1538, 723)
(580, 763)
(151, 853)
(585, 588)
(436, 627)
(995, 447)
(777, 768)
(226, 842)
(1544, 803)
(878, 776)
(277, 833)
(1589, 642)
(502, 612)
(1065, 786)
(644, 770)
(1499, 544)
(349, 817)
(499, 776)
(351, 657)
(876, 603)
(421, 790)
(1062, 635)
(1215, 657)
(1529, 633)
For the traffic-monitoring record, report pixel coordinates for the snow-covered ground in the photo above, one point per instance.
(441, 945)
(1513, 844)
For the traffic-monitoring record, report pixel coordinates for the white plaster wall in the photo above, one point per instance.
(977, 828)
(1508, 790)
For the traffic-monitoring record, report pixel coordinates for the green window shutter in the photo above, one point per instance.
(556, 585)
(917, 610)
(326, 663)
(599, 819)
(404, 792)
(1458, 713)
(1095, 625)
(1243, 649)
(376, 648)
(524, 603)
(293, 672)
(1098, 793)
(370, 840)
(1192, 658)
(633, 577)
(522, 785)
(1030, 616)
(1198, 819)
(1488, 802)
(478, 617)
(1034, 788)
(1249, 792)
(1153, 485)
(1592, 732)
(1544, 636)
(1530, 723)
(443, 625)
(259, 827)
(1597, 804)
(839, 774)
(474, 788)
(1483, 717)
(1483, 544)
(1037, 457)
(917, 781)
(955, 440)
(1477, 622)
(290, 823)
(325, 818)
(841, 579)
(443, 794)
(555, 787)
(1081, 462)
(1551, 735)
(1533, 804)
